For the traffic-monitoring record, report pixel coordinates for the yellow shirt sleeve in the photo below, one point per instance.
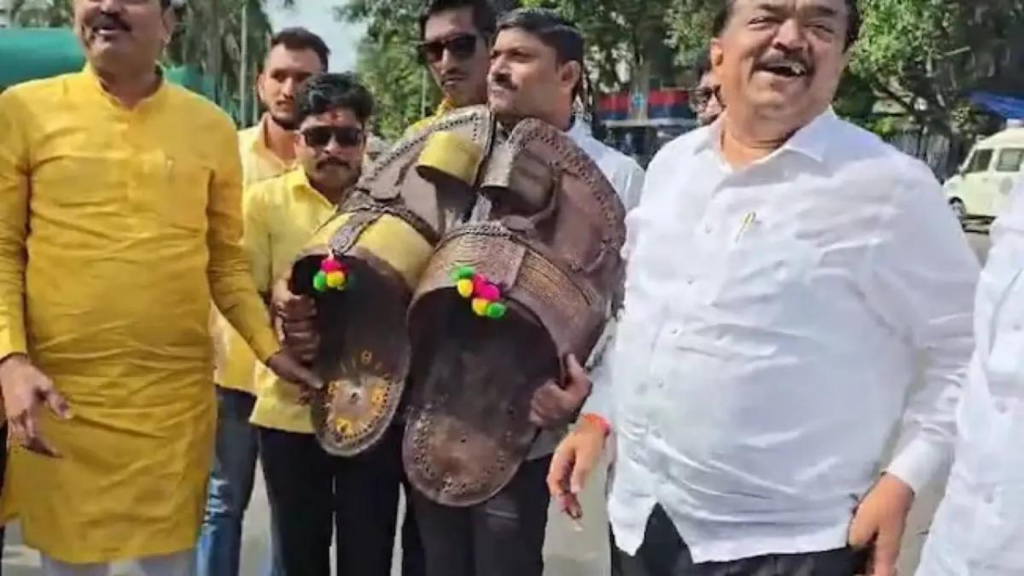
(230, 281)
(14, 187)
(256, 238)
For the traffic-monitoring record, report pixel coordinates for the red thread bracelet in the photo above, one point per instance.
(598, 421)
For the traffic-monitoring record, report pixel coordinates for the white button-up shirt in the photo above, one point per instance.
(627, 178)
(774, 319)
(979, 529)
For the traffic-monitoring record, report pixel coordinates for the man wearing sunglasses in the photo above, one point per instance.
(267, 150)
(312, 494)
(455, 38)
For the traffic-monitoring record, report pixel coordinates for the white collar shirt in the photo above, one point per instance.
(775, 317)
(979, 528)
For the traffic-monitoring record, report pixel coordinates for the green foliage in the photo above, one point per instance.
(388, 64)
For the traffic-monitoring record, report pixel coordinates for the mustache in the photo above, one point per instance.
(107, 20)
(333, 161)
(503, 80)
(792, 59)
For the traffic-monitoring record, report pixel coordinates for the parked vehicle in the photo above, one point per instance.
(985, 180)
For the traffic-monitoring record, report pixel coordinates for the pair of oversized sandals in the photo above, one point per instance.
(452, 283)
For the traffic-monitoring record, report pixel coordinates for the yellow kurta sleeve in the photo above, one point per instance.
(256, 239)
(230, 281)
(14, 190)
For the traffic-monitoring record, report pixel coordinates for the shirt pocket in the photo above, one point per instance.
(760, 269)
(182, 187)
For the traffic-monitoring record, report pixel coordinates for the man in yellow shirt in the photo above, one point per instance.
(312, 493)
(455, 40)
(267, 151)
(117, 227)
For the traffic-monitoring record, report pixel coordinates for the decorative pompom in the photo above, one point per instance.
(464, 273)
(465, 288)
(329, 265)
(489, 292)
(336, 279)
(480, 306)
(496, 310)
(320, 281)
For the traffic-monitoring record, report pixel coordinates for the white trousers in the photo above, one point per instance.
(180, 564)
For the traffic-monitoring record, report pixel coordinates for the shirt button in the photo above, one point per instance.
(989, 498)
(707, 228)
(1001, 407)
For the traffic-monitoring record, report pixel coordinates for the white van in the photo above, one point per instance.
(986, 178)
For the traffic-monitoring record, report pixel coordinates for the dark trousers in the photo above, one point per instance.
(313, 494)
(664, 553)
(504, 536)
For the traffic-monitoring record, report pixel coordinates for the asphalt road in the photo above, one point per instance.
(568, 552)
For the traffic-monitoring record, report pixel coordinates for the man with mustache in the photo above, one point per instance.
(117, 227)
(536, 72)
(313, 494)
(790, 275)
(267, 150)
(455, 37)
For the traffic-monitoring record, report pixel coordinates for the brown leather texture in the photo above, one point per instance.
(551, 242)
(364, 350)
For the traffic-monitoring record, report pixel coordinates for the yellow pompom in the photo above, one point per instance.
(335, 279)
(465, 288)
(480, 306)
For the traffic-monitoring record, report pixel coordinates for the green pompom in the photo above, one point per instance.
(320, 281)
(496, 310)
(464, 273)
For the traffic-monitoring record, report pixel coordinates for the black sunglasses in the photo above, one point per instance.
(700, 97)
(320, 136)
(462, 47)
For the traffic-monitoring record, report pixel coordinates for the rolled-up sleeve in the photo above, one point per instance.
(230, 280)
(922, 280)
(14, 208)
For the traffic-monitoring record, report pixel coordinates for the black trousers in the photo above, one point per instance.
(504, 536)
(313, 494)
(664, 553)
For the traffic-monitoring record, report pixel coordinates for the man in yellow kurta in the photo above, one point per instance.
(267, 151)
(120, 218)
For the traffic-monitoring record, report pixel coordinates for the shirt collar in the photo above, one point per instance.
(811, 140)
(579, 130)
(92, 79)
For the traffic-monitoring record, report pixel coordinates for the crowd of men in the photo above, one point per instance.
(789, 277)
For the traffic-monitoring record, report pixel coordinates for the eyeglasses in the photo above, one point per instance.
(462, 47)
(701, 97)
(320, 136)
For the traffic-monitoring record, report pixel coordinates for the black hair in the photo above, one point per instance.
(297, 38)
(325, 92)
(853, 20)
(483, 14)
(561, 35)
(702, 65)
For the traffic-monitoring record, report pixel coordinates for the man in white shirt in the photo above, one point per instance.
(979, 528)
(789, 276)
(536, 72)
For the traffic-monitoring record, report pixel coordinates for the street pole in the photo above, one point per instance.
(243, 73)
(423, 93)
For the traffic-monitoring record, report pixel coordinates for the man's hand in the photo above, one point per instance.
(295, 321)
(553, 405)
(879, 522)
(574, 459)
(26, 390)
(288, 368)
